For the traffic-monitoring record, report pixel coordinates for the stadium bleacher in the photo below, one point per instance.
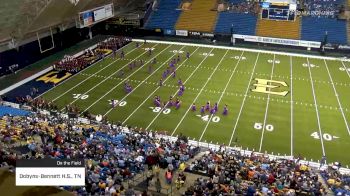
(200, 18)
(314, 29)
(165, 16)
(242, 23)
(280, 29)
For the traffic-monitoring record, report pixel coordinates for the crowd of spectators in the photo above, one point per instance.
(337, 182)
(112, 153)
(314, 8)
(244, 6)
(231, 172)
(322, 8)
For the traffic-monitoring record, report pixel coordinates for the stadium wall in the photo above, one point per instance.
(30, 53)
(244, 49)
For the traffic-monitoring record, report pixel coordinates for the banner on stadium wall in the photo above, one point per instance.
(182, 33)
(270, 40)
(10, 104)
(200, 34)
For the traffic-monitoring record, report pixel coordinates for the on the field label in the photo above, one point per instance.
(116, 102)
(326, 136)
(80, 96)
(158, 109)
(206, 118)
(259, 126)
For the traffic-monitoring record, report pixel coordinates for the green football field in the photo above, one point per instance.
(282, 104)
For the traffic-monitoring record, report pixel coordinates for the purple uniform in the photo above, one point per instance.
(225, 112)
(113, 103)
(213, 111)
(179, 82)
(180, 93)
(216, 106)
(207, 107)
(202, 110)
(174, 74)
(157, 101)
(187, 55)
(182, 88)
(177, 104)
(193, 107)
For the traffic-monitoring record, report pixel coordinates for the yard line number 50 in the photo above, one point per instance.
(259, 126)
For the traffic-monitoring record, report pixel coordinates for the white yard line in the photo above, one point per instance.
(195, 99)
(291, 108)
(316, 106)
(160, 112)
(267, 106)
(336, 95)
(93, 65)
(346, 68)
(221, 96)
(144, 101)
(165, 62)
(243, 102)
(111, 75)
(125, 79)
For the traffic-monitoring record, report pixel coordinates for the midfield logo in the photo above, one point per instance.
(266, 86)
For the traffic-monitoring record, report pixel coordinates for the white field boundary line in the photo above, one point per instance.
(267, 107)
(316, 106)
(144, 101)
(111, 75)
(291, 108)
(187, 79)
(125, 79)
(200, 92)
(245, 49)
(143, 81)
(336, 95)
(221, 96)
(244, 98)
(93, 65)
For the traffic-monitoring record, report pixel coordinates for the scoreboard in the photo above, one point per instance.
(278, 10)
(93, 16)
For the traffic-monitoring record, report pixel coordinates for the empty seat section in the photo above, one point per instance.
(279, 29)
(314, 29)
(199, 18)
(165, 16)
(241, 23)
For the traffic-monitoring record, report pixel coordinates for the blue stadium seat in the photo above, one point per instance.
(314, 29)
(242, 23)
(12, 111)
(166, 16)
